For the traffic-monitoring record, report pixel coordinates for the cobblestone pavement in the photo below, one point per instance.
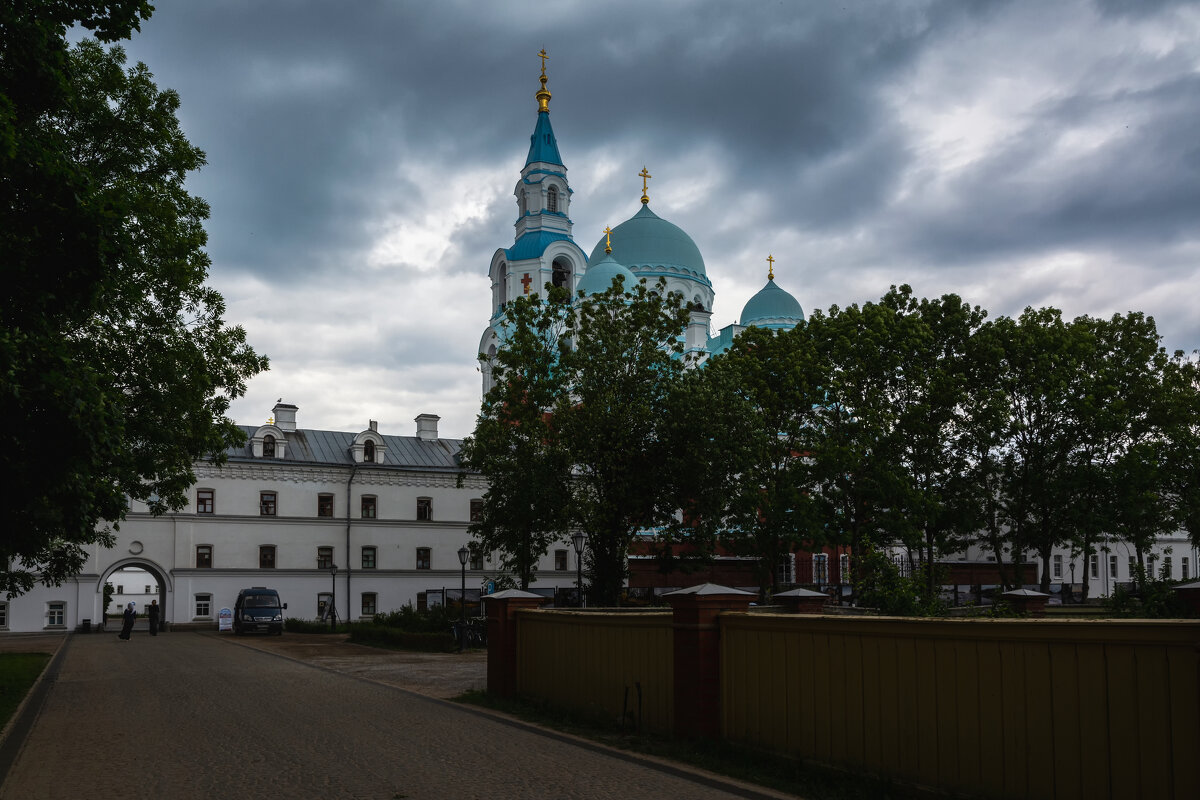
(196, 716)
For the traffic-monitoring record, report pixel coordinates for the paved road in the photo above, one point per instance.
(191, 716)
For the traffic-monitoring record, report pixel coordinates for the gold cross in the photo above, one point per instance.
(771, 268)
(608, 240)
(645, 175)
(542, 55)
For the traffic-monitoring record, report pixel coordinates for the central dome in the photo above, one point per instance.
(648, 243)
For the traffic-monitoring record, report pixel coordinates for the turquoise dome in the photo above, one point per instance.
(772, 307)
(647, 243)
(599, 276)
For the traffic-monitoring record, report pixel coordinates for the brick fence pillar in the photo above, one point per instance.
(502, 608)
(802, 601)
(1027, 601)
(698, 655)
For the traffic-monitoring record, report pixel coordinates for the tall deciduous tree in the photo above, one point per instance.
(116, 366)
(517, 446)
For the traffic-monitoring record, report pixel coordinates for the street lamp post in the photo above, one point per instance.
(332, 597)
(577, 541)
(463, 553)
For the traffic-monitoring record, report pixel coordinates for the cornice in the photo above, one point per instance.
(283, 472)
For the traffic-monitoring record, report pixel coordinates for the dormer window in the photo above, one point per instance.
(369, 451)
(552, 199)
(268, 446)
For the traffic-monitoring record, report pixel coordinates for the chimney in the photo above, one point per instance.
(373, 425)
(285, 416)
(427, 427)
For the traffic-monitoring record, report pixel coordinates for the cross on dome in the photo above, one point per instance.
(608, 240)
(645, 175)
(770, 267)
(543, 94)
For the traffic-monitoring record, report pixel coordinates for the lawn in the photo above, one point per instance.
(18, 672)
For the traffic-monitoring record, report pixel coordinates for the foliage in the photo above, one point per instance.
(118, 367)
(1150, 598)
(516, 446)
(108, 596)
(436, 619)
(880, 584)
(297, 625)
(18, 673)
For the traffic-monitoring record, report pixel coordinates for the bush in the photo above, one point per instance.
(1152, 598)
(296, 625)
(378, 634)
(437, 619)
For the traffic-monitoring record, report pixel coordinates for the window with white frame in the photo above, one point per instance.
(785, 572)
(56, 614)
(1112, 567)
(368, 604)
(205, 501)
(1166, 568)
(820, 569)
(3, 615)
(844, 568)
(1094, 565)
(203, 606)
(368, 558)
(1056, 566)
(1183, 567)
(560, 560)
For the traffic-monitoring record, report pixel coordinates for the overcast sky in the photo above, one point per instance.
(362, 157)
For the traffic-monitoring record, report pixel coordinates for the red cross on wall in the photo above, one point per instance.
(526, 281)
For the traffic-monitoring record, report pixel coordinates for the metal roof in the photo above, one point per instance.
(306, 446)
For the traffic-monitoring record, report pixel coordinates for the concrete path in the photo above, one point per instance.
(195, 716)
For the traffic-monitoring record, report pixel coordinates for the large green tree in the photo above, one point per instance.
(116, 366)
(517, 445)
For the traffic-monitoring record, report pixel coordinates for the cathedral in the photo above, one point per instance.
(644, 247)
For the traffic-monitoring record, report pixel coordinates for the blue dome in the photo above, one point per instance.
(599, 276)
(772, 307)
(647, 242)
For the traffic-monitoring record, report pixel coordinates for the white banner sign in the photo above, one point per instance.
(225, 620)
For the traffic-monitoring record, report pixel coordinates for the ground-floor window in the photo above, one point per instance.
(821, 569)
(203, 605)
(324, 600)
(56, 614)
(368, 604)
(1183, 566)
(3, 615)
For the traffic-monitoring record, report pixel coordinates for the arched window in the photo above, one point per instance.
(562, 274)
(502, 281)
(369, 452)
(268, 446)
(552, 199)
(521, 202)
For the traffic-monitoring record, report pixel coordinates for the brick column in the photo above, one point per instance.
(1027, 601)
(698, 655)
(802, 601)
(502, 608)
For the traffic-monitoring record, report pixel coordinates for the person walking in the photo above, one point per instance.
(152, 613)
(127, 622)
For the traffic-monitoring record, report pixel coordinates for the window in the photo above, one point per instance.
(204, 501)
(1183, 566)
(368, 604)
(561, 275)
(476, 510)
(56, 614)
(821, 569)
(1132, 567)
(368, 558)
(3, 615)
(147, 590)
(1112, 567)
(844, 568)
(425, 508)
(120, 588)
(267, 503)
(268, 446)
(204, 605)
(324, 558)
(560, 559)
(552, 199)
(369, 451)
(324, 601)
(422, 558)
(1056, 568)
(1094, 565)
(368, 507)
(1166, 568)
(324, 505)
(266, 556)
(203, 556)
(476, 561)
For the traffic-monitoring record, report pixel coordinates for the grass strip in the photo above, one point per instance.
(18, 673)
(772, 770)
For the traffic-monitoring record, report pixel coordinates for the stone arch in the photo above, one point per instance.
(166, 583)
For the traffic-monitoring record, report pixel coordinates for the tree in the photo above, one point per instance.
(1180, 420)
(612, 414)
(117, 365)
(764, 389)
(517, 446)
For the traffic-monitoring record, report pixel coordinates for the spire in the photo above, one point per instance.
(645, 175)
(543, 94)
(542, 144)
(771, 268)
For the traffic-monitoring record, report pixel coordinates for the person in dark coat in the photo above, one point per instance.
(152, 612)
(127, 622)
